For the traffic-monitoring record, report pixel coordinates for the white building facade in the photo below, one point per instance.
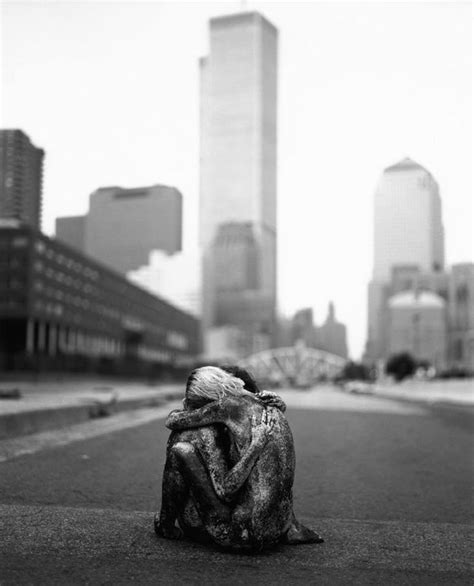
(408, 232)
(408, 228)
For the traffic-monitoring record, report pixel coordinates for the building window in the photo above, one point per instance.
(39, 246)
(19, 242)
(458, 350)
(462, 294)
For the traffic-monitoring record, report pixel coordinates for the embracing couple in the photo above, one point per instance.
(230, 466)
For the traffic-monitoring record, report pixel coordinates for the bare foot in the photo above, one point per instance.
(298, 534)
(169, 532)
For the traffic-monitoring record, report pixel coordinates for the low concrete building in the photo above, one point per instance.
(60, 309)
(417, 325)
(455, 287)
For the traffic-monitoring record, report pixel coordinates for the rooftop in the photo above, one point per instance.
(239, 18)
(405, 165)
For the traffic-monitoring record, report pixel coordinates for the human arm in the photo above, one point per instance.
(215, 412)
(227, 483)
(270, 399)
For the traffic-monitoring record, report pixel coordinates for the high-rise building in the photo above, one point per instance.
(21, 178)
(124, 225)
(330, 336)
(408, 228)
(408, 231)
(238, 169)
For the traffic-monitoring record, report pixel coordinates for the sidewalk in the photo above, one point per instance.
(454, 393)
(54, 404)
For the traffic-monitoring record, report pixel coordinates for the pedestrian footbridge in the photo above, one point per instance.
(293, 366)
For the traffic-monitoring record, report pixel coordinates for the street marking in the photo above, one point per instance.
(30, 444)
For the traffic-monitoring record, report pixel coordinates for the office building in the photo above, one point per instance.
(21, 178)
(408, 228)
(330, 336)
(238, 147)
(72, 231)
(461, 316)
(124, 225)
(455, 288)
(60, 309)
(408, 231)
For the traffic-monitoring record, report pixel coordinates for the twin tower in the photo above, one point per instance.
(238, 193)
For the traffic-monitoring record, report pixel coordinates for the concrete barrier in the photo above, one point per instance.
(25, 422)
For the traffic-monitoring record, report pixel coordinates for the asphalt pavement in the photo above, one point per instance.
(387, 483)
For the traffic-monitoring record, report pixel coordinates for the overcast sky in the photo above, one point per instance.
(110, 91)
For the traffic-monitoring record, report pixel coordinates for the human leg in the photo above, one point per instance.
(298, 534)
(185, 474)
(174, 495)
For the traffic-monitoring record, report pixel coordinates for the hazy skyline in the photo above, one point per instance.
(110, 91)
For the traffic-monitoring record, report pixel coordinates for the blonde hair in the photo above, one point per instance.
(210, 383)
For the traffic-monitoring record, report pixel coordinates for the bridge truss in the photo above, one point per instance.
(293, 366)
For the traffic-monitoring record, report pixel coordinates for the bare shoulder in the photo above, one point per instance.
(195, 435)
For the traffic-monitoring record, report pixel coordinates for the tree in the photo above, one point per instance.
(400, 365)
(355, 371)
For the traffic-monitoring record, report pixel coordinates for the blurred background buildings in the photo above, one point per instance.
(238, 194)
(227, 281)
(124, 225)
(415, 304)
(330, 336)
(21, 173)
(65, 304)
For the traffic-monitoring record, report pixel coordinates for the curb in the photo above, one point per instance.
(28, 422)
(445, 403)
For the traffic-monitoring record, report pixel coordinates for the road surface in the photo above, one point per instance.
(388, 484)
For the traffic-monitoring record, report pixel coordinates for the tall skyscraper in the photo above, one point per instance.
(408, 234)
(124, 225)
(21, 178)
(238, 171)
(408, 228)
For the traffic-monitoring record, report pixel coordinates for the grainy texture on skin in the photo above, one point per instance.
(227, 483)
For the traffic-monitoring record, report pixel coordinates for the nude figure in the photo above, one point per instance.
(237, 494)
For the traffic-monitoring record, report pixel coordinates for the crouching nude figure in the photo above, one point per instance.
(230, 466)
